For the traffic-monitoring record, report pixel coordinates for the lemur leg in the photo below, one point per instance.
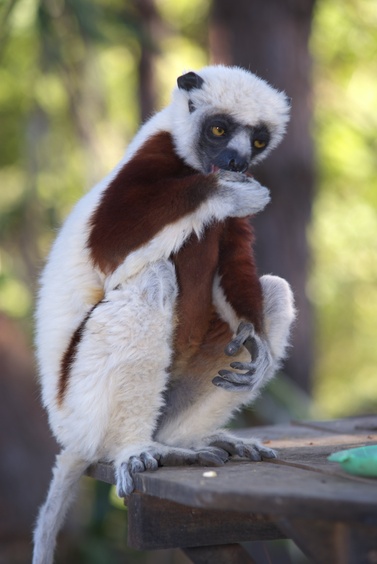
(199, 425)
(117, 379)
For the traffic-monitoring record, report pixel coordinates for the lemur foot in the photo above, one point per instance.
(261, 361)
(245, 448)
(150, 458)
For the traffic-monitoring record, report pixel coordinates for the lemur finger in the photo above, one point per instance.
(244, 331)
(252, 347)
(219, 382)
(249, 366)
(237, 378)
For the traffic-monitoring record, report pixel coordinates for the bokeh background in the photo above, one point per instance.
(77, 77)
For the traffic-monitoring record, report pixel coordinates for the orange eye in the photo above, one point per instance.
(258, 144)
(217, 131)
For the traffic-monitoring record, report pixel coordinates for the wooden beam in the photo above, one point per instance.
(158, 523)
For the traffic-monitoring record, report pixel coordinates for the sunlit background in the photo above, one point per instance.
(70, 101)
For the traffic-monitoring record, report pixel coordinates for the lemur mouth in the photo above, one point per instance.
(215, 168)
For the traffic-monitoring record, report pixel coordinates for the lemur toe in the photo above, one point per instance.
(135, 465)
(255, 451)
(251, 450)
(125, 483)
(212, 456)
(178, 457)
(266, 452)
(230, 446)
(150, 462)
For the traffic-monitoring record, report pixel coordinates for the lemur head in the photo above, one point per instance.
(226, 118)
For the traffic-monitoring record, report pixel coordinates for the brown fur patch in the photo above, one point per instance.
(70, 355)
(196, 264)
(201, 335)
(239, 278)
(155, 188)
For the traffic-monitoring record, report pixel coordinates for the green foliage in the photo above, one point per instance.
(67, 99)
(343, 285)
(68, 106)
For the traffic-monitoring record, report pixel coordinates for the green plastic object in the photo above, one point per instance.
(361, 460)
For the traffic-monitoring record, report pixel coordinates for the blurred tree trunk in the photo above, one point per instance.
(150, 27)
(271, 39)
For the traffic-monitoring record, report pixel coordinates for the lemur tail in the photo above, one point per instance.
(67, 472)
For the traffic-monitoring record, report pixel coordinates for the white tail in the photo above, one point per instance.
(67, 472)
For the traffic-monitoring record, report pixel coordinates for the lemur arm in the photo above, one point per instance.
(237, 271)
(154, 189)
(156, 202)
(242, 289)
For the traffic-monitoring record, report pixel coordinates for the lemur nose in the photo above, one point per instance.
(237, 165)
(234, 161)
(231, 159)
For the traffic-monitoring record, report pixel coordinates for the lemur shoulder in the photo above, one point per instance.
(151, 285)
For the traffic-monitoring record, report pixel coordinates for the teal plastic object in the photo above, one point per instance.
(361, 460)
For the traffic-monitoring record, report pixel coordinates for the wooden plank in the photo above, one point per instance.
(300, 480)
(269, 489)
(103, 471)
(228, 554)
(335, 542)
(308, 445)
(156, 523)
(305, 444)
(354, 425)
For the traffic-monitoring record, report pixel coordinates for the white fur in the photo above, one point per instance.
(114, 393)
(223, 307)
(63, 488)
(122, 361)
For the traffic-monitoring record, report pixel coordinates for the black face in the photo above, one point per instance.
(217, 133)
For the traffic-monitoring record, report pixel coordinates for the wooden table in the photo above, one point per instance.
(331, 515)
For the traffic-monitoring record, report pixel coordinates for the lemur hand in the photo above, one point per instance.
(256, 370)
(245, 195)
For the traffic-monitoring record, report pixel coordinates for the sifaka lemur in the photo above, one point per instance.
(151, 286)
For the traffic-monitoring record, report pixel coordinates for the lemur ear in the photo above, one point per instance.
(189, 81)
(289, 101)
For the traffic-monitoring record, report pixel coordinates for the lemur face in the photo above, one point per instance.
(225, 144)
(227, 118)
